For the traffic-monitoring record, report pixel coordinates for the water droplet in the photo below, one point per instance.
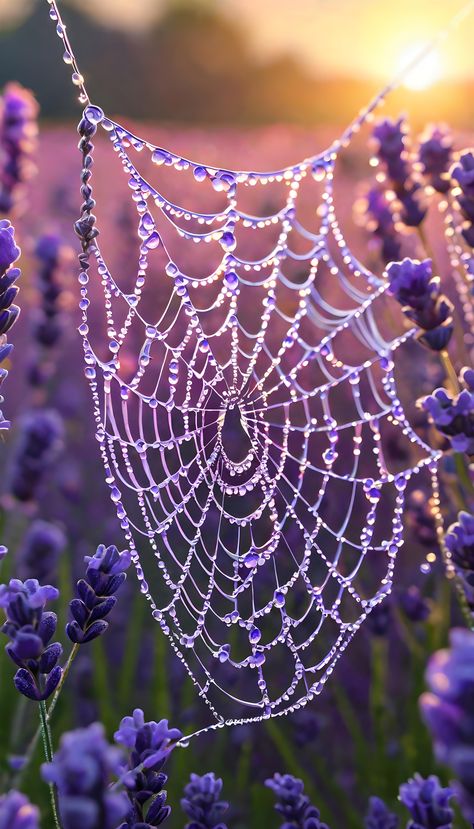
(231, 280)
(153, 241)
(200, 173)
(279, 598)
(94, 114)
(171, 269)
(255, 635)
(228, 240)
(160, 157)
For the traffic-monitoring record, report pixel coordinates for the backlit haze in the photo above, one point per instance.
(364, 38)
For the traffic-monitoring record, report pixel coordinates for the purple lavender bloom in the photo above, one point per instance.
(306, 726)
(379, 816)
(380, 618)
(460, 542)
(413, 285)
(428, 803)
(49, 252)
(454, 416)
(18, 132)
(39, 444)
(9, 250)
(379, 221)
(81, 770)
(30, 630)
(449, 713)
(412, 206)
(434, 155)
(391, 141)
(293, 804)
(201, 802)
(463, 174)
(9, 253)
(413, 604)
(16, 812)
(39, 554)
(149, 744)
(420, 519)
(105, 574)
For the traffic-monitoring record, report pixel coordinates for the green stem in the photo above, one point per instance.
(48, 753)
(34, 741)
(66, 669)
(453, 382)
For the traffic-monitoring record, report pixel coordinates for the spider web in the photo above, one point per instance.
(246, 447)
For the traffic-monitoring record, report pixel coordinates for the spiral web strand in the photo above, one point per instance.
(246, 448)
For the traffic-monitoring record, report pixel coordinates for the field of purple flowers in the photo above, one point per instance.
(93, 700)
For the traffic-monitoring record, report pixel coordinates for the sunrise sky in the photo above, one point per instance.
(368, 38)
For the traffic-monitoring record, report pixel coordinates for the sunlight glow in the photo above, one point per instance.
(426, 73)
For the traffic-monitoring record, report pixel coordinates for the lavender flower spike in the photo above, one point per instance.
(463, 175)
(391, 142)
(201, 802)
(413, 285)
(16, 812)
(39, 443)
(379, 816)
(448, 711)
(40, 551)
(149, 744)
(9, 253)
(459, 541)
(30, 631)
(293, 804)
(18, 132)
(105, 574)
(82, 769)
(428, 803)
(454, 416)
(434, 156)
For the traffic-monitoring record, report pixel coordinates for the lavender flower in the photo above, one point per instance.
(49, 252)
(449, 713)
(380, 618)
(30, 631)
(379, 221)
(149, 744)
(420, 519)
(39, 554)
(434, 156)
(201, 802)
(16, 812)
(460, 542)
(81, 770)
(412, 284)
(39, 443)
(391, 142)
(463, 174)
(379, 816)
(18, 133)
(293, 804)
(390, 139)
(454, 416)
(413, 604)
(105, 574)
(428, 803)
(9, 253)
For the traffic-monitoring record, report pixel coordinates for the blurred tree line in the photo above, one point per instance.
(193, 65)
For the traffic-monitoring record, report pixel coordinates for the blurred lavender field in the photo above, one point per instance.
(364, 736)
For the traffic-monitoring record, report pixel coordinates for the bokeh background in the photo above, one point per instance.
(236, 61)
